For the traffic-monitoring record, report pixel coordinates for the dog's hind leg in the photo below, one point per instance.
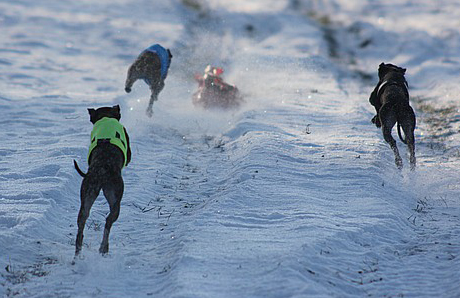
(388, 120)
(389, 139)
(153, 98)
(113, 192)
(410, 140)
(155, 90)
(88, 194)
(412, 158)
(408, 125)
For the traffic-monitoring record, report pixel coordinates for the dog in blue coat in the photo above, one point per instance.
(151, 66)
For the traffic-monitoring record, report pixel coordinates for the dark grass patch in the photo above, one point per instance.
(15, 276)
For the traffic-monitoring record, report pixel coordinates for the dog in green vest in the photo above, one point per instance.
(109, 152)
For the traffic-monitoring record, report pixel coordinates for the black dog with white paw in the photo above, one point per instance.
(391, 101)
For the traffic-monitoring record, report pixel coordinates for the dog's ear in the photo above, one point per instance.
(383, 69)
(117, 111)
(92, 115)
(169, 53)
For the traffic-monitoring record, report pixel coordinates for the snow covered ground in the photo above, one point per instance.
(294, 195)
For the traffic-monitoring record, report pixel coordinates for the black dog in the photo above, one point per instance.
(108, 153)
(391, 101)
(151, 66)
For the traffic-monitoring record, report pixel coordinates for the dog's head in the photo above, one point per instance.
(384, 69)
(169, 56)
(110, 112)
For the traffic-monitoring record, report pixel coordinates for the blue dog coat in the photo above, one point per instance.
(164, 58)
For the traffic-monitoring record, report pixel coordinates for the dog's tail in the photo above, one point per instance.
(404, 140)
(78, 169)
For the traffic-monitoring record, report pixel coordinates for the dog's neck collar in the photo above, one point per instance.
(391, 82)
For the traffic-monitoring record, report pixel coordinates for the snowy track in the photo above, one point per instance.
(294, 195)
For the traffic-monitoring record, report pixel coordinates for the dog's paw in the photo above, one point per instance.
(127, 90)
(149, 113)
(376, 121)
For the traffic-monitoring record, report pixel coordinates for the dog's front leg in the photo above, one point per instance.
(376, 120)
(131, 78)
(375, 102)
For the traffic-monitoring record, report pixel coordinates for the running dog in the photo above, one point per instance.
(108, 153)
(151, 66)
(391, 101)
